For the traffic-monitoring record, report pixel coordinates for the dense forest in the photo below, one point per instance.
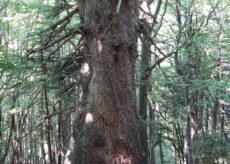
(114, 82)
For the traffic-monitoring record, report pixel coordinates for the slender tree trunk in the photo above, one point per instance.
(14, 156)
(60, 129)
(217, 75)
(1, 124)
(46, 106)
(222, 121)
(214, 115)
(194, 114)
(152, 138)
(42, 145)
(106, 129)
(43, 153)
(188, 138)
(143, 92)
(207, 120)
(161, 149)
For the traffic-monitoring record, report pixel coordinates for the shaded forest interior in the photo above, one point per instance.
(114, 82)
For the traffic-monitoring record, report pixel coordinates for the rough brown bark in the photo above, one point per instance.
(106, 129)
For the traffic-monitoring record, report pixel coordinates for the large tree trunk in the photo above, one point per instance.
(106, 129)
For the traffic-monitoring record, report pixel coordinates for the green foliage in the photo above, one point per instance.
(5, 63)
(23, 6)
(211, 147)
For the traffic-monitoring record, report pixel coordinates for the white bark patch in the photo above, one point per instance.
(85, 69)
(118, 6)
(70, 150)
(89, 118)
(144, 6)
(99, 46)
(122, 159)
(67, 158)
